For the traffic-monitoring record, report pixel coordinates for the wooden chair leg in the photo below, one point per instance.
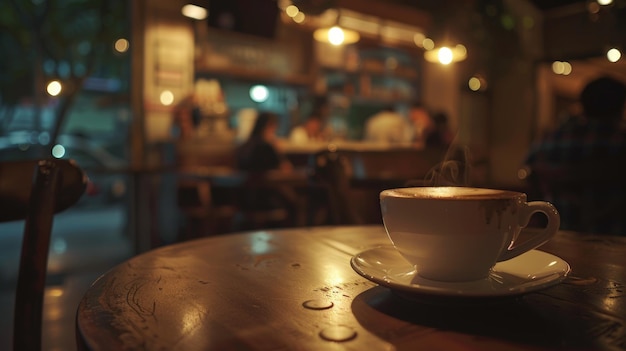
(34, 259)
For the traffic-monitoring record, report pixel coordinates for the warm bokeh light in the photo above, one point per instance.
(474, 84)
(166, 98)
(444, 55)
(418, 39)
(557, 67)
(613, 55)
(54, 88)
(428, 44)
(336, 36)
(292, 11)
(561, 67)
(259, 93)
(605, 2)
(299, 17)
(121, 45)
(194, 11)
(567, 68)
(460, 52)
(477, 83)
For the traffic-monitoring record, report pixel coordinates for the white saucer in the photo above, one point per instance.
(527, 272)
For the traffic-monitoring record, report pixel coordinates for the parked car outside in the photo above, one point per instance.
(105, 185)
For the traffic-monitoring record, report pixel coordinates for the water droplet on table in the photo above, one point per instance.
(317, 304)
(338, 333)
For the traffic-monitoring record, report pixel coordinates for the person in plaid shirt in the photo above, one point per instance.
(592, 149)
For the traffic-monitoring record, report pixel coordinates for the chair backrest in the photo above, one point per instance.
(401, 163)
(34, 191)
(333, 169)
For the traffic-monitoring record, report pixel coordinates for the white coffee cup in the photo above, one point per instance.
(459, 233)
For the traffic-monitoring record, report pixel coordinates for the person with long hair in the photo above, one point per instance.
(259, 152)
(256, 156)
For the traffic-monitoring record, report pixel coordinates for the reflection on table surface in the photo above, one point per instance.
(294, 289)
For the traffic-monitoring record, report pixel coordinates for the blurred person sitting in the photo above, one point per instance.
(440, 135)
(260, 154)
(186, 118)
(580, 166)
(420, 123)
(309, 131)
(388, 127)
(244, 122)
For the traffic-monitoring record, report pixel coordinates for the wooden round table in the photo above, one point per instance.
(294, 289)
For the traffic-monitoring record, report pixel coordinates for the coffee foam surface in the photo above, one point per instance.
(450, 192)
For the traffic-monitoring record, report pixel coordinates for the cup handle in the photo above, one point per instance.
(541, 236)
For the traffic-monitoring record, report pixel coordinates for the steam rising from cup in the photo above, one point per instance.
(454, 170)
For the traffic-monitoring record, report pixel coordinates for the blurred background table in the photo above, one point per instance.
(294, 289)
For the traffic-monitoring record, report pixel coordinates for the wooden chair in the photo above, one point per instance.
(201, 215)
(261, 200)
(34, 191)
(217, 201)
(333, 169)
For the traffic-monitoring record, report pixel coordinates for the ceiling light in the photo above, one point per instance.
(613, 55)
(446, 55)
(477, 83)
(194, 11)
(336, 35)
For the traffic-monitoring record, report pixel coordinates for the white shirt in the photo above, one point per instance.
(298, 135)
(388, 127)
